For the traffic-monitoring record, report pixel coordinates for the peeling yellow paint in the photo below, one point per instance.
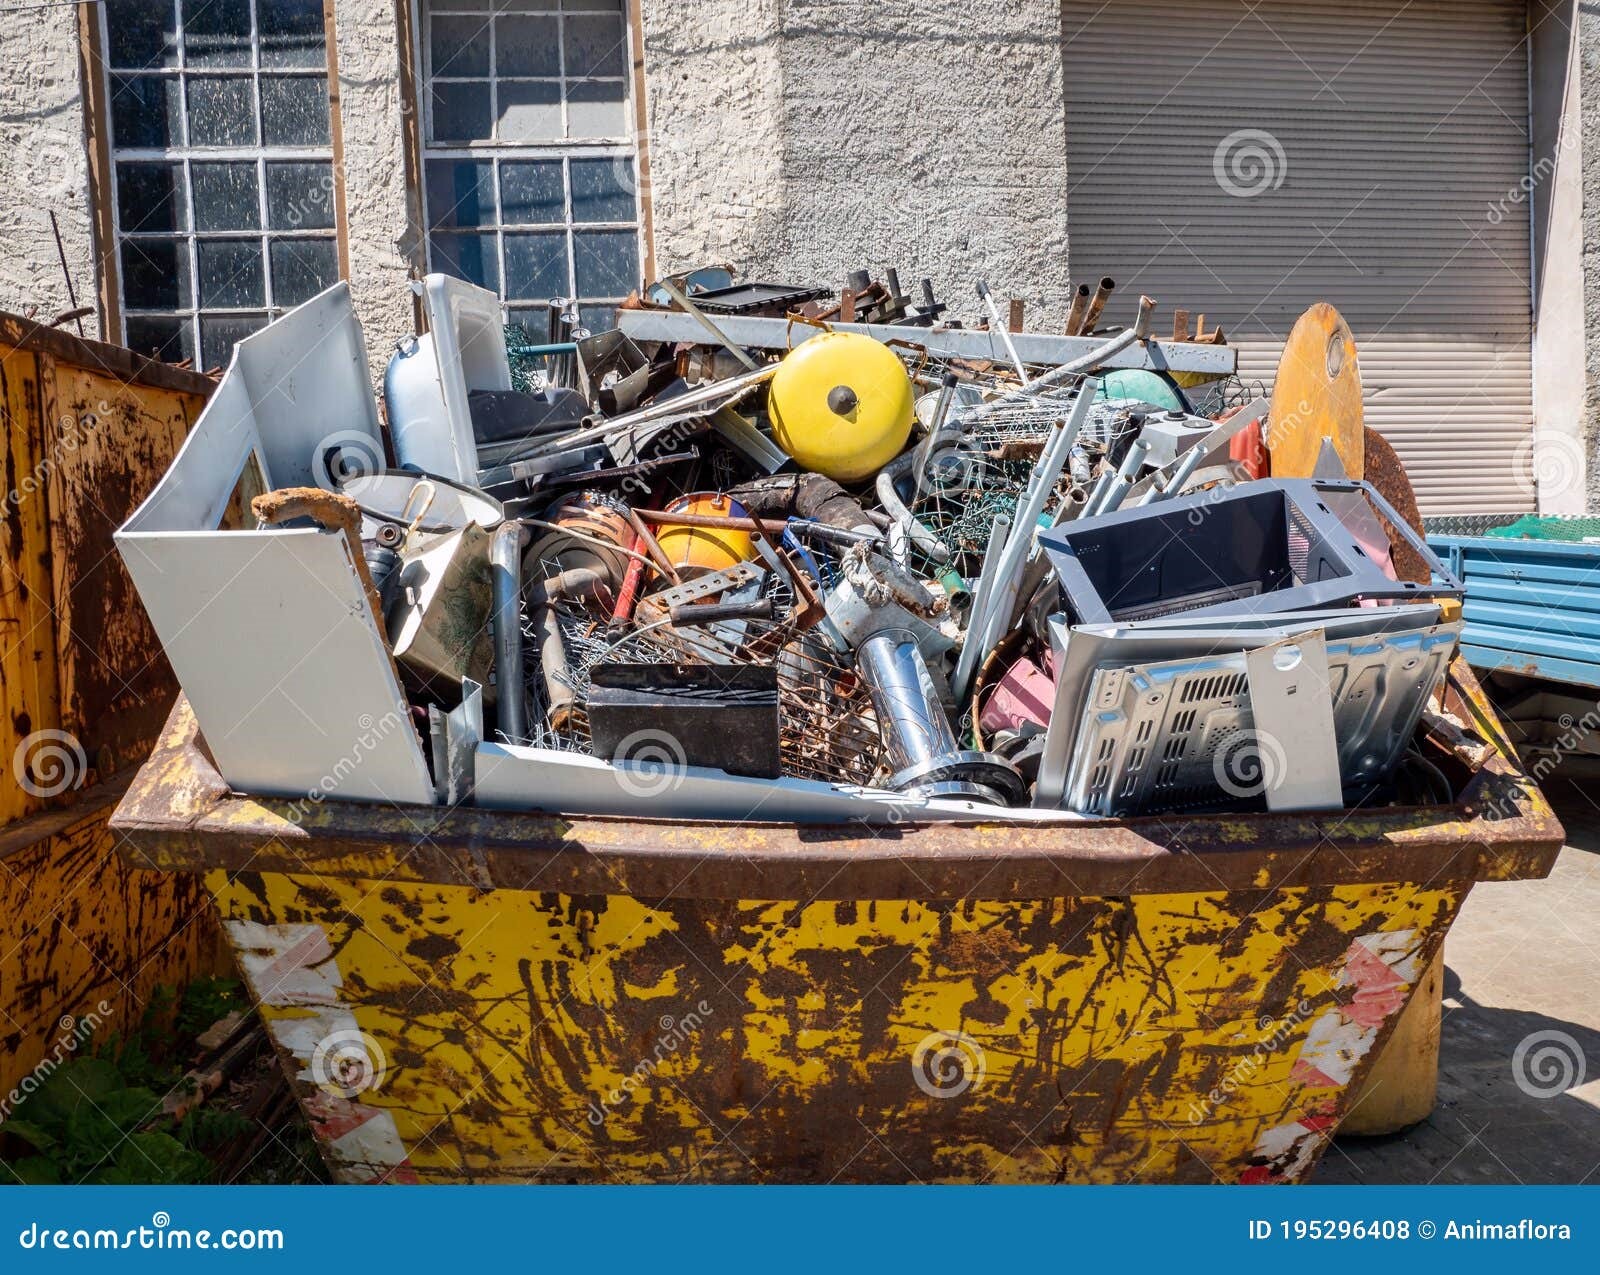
(752, 1041)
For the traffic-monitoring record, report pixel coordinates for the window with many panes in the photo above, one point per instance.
(222, 168)
(530, 172)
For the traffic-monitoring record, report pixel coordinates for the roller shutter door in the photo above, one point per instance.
(1248, 161)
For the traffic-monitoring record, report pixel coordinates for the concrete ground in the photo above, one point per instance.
(1523, 959)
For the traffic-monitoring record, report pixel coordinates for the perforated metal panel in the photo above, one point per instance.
(1248, 161)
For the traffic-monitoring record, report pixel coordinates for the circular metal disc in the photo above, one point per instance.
(1317, 395)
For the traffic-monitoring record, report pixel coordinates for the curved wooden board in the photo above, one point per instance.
(1317, 395)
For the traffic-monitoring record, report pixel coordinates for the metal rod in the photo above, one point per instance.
(924, 451)
(682, 298)
(990, 621)
(72, 293)
(1140, 331)
(657, 554)
(967, 663)
(711, 395)
(1005, 332)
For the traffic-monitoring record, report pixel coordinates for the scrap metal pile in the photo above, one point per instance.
(771, 551)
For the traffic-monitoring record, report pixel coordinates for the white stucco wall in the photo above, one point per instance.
(43, 164)
(380, 213)
(806, 138)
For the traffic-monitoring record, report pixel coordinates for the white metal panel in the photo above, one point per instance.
(274, 643)
(270, 632)
(1249, 160)
(428, 382)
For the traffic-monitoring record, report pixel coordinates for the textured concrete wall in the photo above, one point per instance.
(804, 138)
(380, 213)
(1559, 332)
(1588, 35)
(43, 164)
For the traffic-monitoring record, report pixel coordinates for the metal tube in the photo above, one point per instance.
(1131, 464)
(967, 663)
(1140, 331)
(941, 411)
(896, 508)
(911, 721)
(1186, 467)
(505, 564)
(1080, 307)
(993, 611)
(921, 750)
(995, 325)
(1097, 496)
(1097, 303)
(767, 526)
(542, 596)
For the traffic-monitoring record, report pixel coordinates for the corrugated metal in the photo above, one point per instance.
(1388, 142)
(1532, 607)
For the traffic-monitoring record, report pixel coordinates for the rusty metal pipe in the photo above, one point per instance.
(541, 596)
(769, 526)
(1097, 303)
(1080, 307)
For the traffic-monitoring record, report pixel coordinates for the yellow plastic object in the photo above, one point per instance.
(841, 405)
(700, 549)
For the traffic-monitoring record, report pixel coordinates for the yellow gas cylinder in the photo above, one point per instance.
(841, 405)
(696, 550)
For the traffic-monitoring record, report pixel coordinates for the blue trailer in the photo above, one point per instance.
(1532, 606)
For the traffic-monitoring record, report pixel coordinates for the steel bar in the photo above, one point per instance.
(1035, 348)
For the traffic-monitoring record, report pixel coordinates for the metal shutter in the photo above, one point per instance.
(1389, 153)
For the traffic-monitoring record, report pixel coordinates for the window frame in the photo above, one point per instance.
(629, 146)
(185, 155)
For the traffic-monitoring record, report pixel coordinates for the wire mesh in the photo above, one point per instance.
(827, 728)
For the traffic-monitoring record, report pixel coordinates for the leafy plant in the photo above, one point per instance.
(204, 1001)
(83, 1125)
(87, 1119)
